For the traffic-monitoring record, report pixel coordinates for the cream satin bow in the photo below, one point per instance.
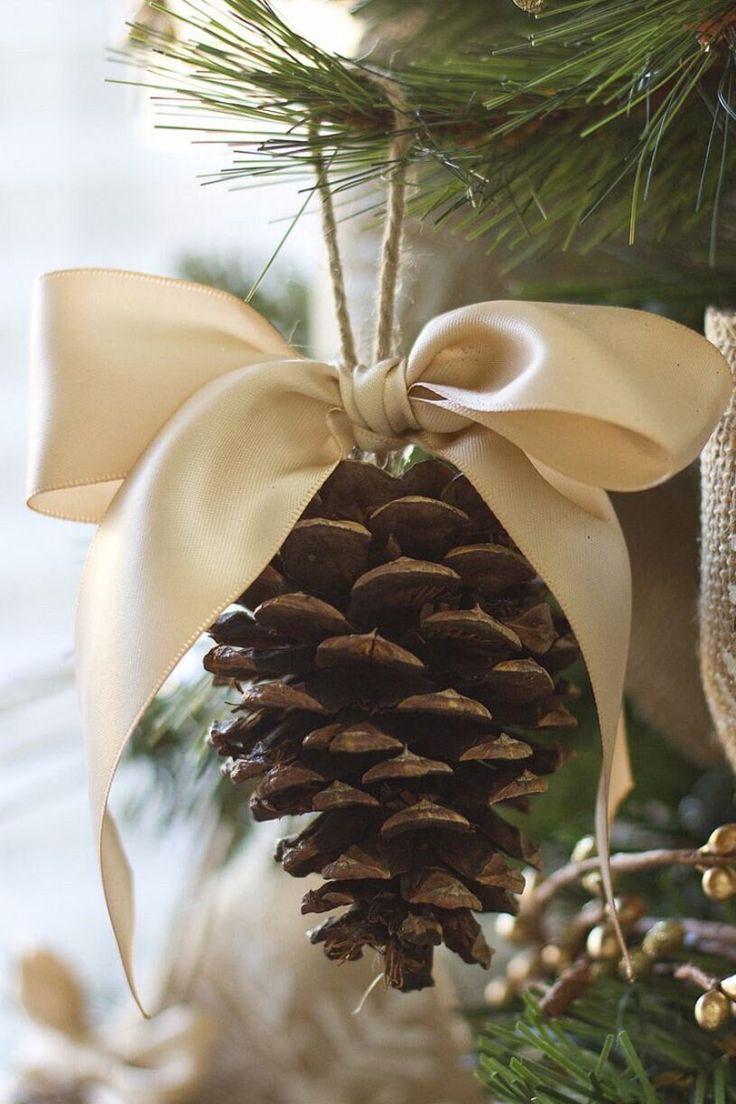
(179, 420)
(161, 1061)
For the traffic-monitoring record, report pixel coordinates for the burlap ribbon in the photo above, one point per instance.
(718, 552)
(179, 420)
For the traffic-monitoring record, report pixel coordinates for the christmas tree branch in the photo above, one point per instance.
(616, 1045)
(607, 108)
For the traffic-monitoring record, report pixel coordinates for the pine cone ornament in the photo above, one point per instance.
(398, 653)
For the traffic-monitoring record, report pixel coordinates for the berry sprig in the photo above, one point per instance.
(571, 959)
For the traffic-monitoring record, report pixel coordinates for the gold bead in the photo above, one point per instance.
(592, 913)
(499, 992)
(722, 840)
(505, 925)
(521, 967)
(629, 910)
(555, 958)
(663, 938)
(728, 985)
(531, 6)
(602, 943)
(719, 883)
(514, 929)
(712, 1010)
(584, 849)
(593, 883)
(641, 965)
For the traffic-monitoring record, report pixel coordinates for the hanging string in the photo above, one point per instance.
(394, 224)
(348, 354)
(390, 261)
(390, 264)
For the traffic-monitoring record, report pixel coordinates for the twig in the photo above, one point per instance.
(621, 863)
(713, 930)
(721, 950)
(571, 984)
(688, 971)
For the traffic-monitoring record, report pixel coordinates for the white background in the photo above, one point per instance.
(83, 181)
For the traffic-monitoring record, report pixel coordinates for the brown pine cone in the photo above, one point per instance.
(398, 644)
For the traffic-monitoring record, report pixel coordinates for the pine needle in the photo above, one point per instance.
(507, 138)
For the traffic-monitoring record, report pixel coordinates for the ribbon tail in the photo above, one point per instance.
(199, 517)
(571, 535)
(117, 885)
(614, 784)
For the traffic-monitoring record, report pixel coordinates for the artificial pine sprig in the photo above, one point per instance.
(588, 1036)
(183, 781)
(416, 29)
(608, 113)
(618, 1045)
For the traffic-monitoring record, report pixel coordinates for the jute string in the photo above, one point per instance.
(390, 260)
(348, 354)
(393, 233)
(718, 551)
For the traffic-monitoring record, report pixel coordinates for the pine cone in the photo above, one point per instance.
(398, 643)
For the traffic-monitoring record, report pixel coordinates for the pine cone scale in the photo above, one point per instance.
(399, 653)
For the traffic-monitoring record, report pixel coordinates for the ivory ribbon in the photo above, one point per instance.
(180, 421)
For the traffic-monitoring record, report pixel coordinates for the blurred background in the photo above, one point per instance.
(85, 180)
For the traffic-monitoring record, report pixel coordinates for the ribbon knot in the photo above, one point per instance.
(376, 401)
(182, 422)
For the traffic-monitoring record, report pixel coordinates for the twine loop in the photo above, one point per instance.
(390, 262)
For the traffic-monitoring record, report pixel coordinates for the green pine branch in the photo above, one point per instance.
(610, 117)
(184, 779)
(419, 30)
(619, 1044)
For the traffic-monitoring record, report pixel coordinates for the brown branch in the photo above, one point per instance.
(571, 984)
(716, 30)
(689, 972)
(622, 863)
(713, 931)
(720, 950)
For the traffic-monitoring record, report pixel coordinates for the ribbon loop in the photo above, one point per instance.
(198, 436)
(113, 356)
(609, 396)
